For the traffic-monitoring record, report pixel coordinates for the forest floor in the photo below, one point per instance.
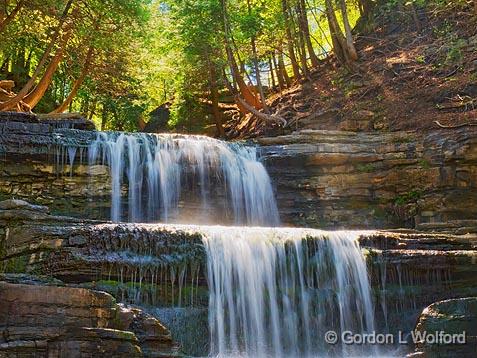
(411, 75)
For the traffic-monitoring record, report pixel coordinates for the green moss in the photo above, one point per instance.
(16, 264)
(406, 198)
(379, 212)
(367, 168)
(424, 164)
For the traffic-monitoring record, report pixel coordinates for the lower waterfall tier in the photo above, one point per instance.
(264, 290)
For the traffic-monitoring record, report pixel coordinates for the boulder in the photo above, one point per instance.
(40, 319)
(456, 317)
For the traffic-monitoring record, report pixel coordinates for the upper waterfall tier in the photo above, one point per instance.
(183, 178)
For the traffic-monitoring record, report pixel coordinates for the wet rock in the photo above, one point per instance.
(336, 179)
(120, 256)
(154, 339)
(326, 179)
(452, 317)
(52, 321)
(21, 204)
(60, 321)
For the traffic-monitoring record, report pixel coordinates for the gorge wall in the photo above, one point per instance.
(326, 179)
(399, 179)
(63, 240)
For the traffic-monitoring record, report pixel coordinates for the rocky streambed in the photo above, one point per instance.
(54, 266)
(65, 267)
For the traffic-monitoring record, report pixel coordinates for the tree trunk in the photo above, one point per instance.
(306, 33)
(37, 94)
(104, 118)
(258, 76)
(5, 106)
(280, 80)
(273, 83)
(4, 66)
(475, 7)
(214, 94)
(242, 103)
(291, 50)
(351, 49)
(302, 46)
(283, 70)
(340, 47)
(77, 84)
(93, 110)
(247, 94)
(415, 17)
(5, 21)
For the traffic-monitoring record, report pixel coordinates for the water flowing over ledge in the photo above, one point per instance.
(269, 292)
(186, 272)
(158, 169)
(275, 293)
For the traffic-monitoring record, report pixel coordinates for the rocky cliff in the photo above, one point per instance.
(39, 319)
(322, 178)
(349, 179)
(330, 179)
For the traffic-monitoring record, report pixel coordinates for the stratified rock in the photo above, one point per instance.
(62, 120)
(39, 320)
(50, 321)
(21, 204)
(327, 179)
(410, 270)
(84, 251)
(454, 317)
(154, 339)
(339, 179)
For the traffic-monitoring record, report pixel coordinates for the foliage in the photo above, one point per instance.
(409, 197)
(148, 52)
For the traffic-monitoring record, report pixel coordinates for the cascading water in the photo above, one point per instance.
(158, 168)
(275, 292)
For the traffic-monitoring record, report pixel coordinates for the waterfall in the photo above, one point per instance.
(276, 292)
(179, 178)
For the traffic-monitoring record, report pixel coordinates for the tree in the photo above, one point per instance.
(77, 84)
(24, 91)
(290, 42)
(6, 18)
(344, 53)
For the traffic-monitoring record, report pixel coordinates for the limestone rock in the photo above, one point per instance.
(154, 339)
(327, 179)
(39, 320)
(337, 179)
(454, 316)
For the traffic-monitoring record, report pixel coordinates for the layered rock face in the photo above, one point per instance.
(349, 179)
(411, 270)
(163, 265)
(328, 179)
(79, 251)
(322, 178)
(34, 165)
(39, 320)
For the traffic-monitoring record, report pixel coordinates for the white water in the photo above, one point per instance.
(275, 292)
(272, 292)
(157, 170)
